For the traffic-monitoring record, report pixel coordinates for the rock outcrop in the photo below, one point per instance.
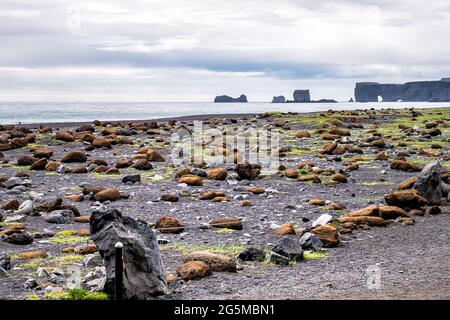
(279, 99)
(302, 96)
(143, 271)
(224, 98)
(427, 91)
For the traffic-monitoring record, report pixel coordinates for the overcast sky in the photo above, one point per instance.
(192, 50)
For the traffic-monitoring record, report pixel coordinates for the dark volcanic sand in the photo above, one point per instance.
(414, 260)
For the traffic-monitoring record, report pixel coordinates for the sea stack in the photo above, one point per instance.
(302, 96)
(225, 98)
(279, 99)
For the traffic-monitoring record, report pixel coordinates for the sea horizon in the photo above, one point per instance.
(72, 112)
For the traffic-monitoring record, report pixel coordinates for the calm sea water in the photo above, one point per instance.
(14, 112)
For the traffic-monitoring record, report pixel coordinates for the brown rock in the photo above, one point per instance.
(109, 194)
(328, 235)
(167, 224)
(12, 229)
(193, 270)
(334, 206)
(52, 166)
(291, 173)
(228, 223)
(112, 171)
(364, 220)
(102, 143)
(49, 205)
(403, 165)
(82, 219)
(328, 148)
(25, 161)
(90, 188)
(143, 164)
(220, 199)
(100, 169)
(209, 195)
(75, 197)
(247, 171)
(124, 163)
(154, 156)
(302, 134)
(407, 184)
(42, 152)
(256, 190)
(306, 177)
(381, 156)
(285, 229)
(379, 143)
(86, 249)
(246, 203)
(169, 197)
(371, 211)
(64, 135)
(39, 164)
(82, 232)
(405, 199)
(78, 170)
(316, 202)
(391, 212)
(74, 156)
(217, 174)
(191, 180)
(33, 255)
(339, 177)
(352, 167)
(216, 262)
(12, 204)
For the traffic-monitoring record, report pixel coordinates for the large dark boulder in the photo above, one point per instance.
(224, 98)
(144, 272)
(430, 185)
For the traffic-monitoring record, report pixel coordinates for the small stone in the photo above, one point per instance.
(309, 241)
(289, 248)
(285, 229)
(132, 179)
(252, 254)
(322, 220)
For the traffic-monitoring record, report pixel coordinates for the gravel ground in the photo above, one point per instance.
(414, 261)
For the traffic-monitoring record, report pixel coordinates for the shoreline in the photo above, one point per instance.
(188, 118)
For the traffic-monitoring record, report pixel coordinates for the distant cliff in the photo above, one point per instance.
(242, 98)
(419, 91)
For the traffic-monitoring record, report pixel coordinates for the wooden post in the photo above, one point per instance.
(119, 271)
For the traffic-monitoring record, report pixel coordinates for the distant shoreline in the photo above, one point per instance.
(180, 118)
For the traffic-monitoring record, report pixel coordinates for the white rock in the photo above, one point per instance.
(322, 220)
(13, 181)
(25, 208)
(15, 218)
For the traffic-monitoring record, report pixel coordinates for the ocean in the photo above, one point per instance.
(30, 112)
